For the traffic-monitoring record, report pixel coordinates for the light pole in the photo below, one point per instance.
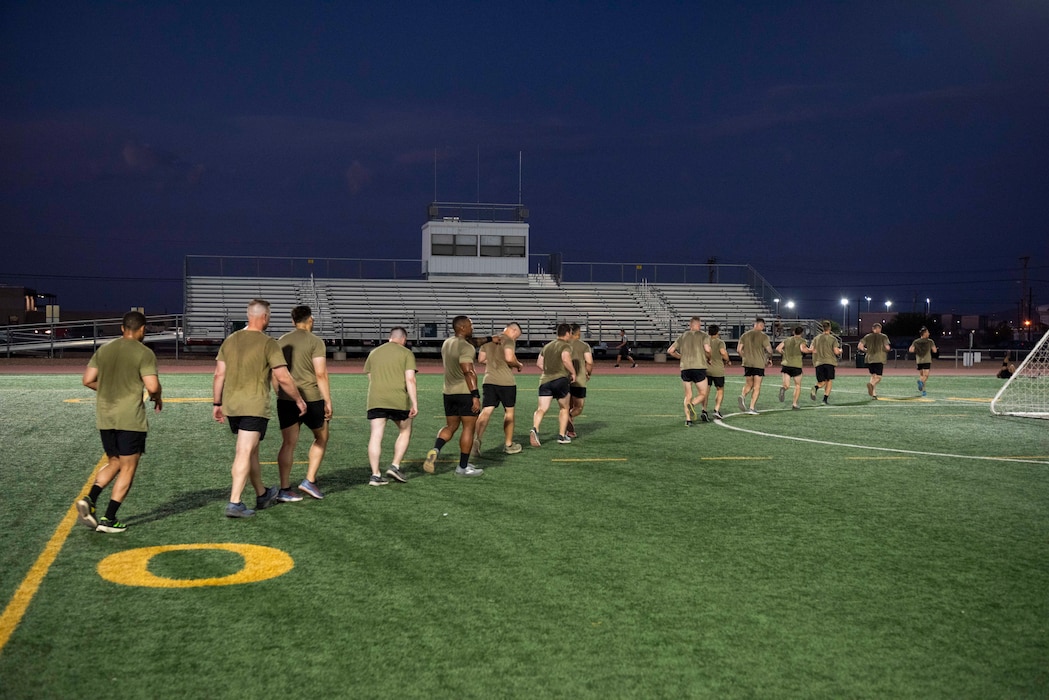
(790, 306)
(844, 314)
(888, 305)
(868, 304)
(928, 306)
(776, 302)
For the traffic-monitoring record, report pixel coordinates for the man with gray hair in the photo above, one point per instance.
(247, 362)
(499, 357)
(392, 396)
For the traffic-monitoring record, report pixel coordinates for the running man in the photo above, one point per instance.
(499, 357)
(307, 361)
(756, 350)
(623, 349)
(876, 345)
(392, 396)
(248, 361)
(719, 359)
(693, 350)
(118, 372)
(923, 348)
(791, 350)
(462, 400)
(825, 349)
(583, 364)
(555, 362)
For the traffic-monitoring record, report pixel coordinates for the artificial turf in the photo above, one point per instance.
(646, 559)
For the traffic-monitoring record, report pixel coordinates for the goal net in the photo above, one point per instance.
(1026, 393)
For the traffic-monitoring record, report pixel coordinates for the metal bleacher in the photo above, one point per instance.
(353, 313)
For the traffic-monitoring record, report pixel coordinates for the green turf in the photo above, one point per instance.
(663, 561)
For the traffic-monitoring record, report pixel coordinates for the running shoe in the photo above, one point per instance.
(533, 437)
(396, 474)
(688, 424)
(921, 385)
(431, 459)
(469, 470)
(633, 365)
(288, 496)
(751, 412)
(377, 480)
(870, 388)
(238, 510)
(475, 451)
(923, 392)
(310, 488)
(267, 499)
(563, 439)
(107, 525)
(85, 512)
(691, 409)
(795, 407)
(825, 402)
(717, 415)
(782, 393)
(812, 394)
(742, 404)
(704, 417)
(513, 448)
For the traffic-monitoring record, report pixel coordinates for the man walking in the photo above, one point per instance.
(118, 372)
(248, 361)
(499, 357)
(583, 364)
(307, 361)
(462, 400)
(623, 349)
(555, 362)
(756, 350)
(392, 396)
(876, 345)
(716, 371)
(825, 349)
(791, 350)
(923, 348)
(693, 350)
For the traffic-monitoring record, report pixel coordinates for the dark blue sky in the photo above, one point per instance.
(889, 149)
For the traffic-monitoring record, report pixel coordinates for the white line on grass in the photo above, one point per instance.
(871, 447)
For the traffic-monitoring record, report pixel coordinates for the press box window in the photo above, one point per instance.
(442, 244)
(513, 246)
(465, 244)
(491, 246)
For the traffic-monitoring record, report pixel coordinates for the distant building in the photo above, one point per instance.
(475, 239)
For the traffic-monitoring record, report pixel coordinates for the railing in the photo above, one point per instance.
(50, 338)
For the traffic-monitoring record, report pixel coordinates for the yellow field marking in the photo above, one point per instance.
(968, 400)
(131, 567)
(865, 459)
(87, 400)
(268, 463)
(16, 608)
(662, 415)
(736, 459)
(595, 459)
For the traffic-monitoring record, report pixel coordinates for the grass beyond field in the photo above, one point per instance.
(868, 549)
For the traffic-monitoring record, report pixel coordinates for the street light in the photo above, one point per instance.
(776, 302)
(790, 305)
(928, 306)
(844, 313)
(888, 305)
(868, 303)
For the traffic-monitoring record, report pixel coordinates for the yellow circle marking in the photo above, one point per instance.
(131, 568)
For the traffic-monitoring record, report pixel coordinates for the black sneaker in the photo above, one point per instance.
(377, 480)
(812, 394)
(688, 424)
(112, 526)
(717, 415)
(267, 499)
(396, 474)
(782, 393)
(704, 416)
(825, 402)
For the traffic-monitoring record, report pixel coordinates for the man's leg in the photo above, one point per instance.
(286, 455)
(688, 401)
(480, 426)
(378, 428)
(247, 444)
(508, 427)
(564, 406)
(404, 436)
(797, 390)
(317, 451)
(718, 396)
(756, 392)
(537, 418)
(466, 437)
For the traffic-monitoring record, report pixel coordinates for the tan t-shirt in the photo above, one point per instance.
(690, 345)
(717, 362)
(497, 372)
(454, 351)
(579, 351)
(792, 356)
(923, 350)
(300, 347)
(385, 367)
(121, 364)
(553, 366)
(874, 345)
(823, 350)
(756, 348)
(250, 357)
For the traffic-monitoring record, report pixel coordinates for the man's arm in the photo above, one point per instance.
(911, 349)
(511, 359)
(861, 347)
(724, 356)
(152, 384)
(672, 350)
(482, 357)
(409, 383)
(320, 368)
(283, 377)
(779, 348)
(90, 379)
(539, 363)
(217, 384)
(566, 359)
(588, 363)
(470, 375)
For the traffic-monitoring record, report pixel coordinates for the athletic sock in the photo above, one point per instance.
(439, 443)
(464, 459)
(94, 493)
(111, 510)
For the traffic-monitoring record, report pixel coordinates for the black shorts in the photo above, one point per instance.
(288, 414)
(577, 392)
(253, 424)
(558, 388)
(791, 371)
(458, 405)
(496, 394)
(753, 371)
(824, 373)
(388, 414)
(716, 382)
(624, 352)
(924, 365)
(876, 368)
(122, 443)
(696, 376)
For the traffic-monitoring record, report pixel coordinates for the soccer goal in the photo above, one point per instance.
(1026, 393)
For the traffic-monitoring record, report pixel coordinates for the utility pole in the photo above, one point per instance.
(1025, 313)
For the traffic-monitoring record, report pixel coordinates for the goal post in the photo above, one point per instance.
(1026, 393)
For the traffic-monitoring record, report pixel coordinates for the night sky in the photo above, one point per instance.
(898, 150)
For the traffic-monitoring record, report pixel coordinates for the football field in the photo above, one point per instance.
(893, 548)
